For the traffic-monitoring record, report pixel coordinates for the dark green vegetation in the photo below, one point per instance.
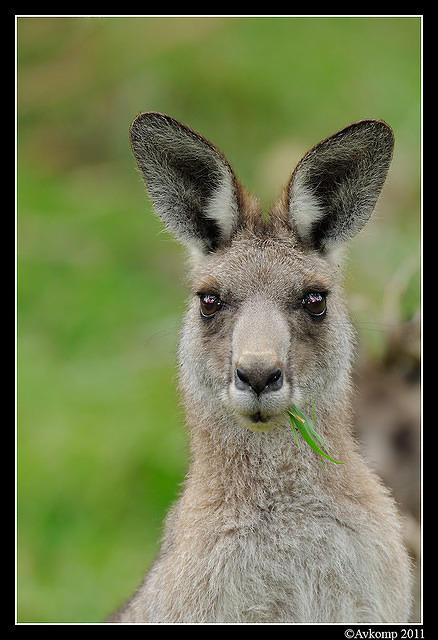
(101, 447)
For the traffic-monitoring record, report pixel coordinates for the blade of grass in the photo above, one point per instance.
(312, 430)
(309, 427)
(308, 434)
(292, 420)
(295, 419)
(308, 437)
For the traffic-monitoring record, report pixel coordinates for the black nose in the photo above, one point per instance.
(258, 380)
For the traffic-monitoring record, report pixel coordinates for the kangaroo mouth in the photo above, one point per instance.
(257, 417)
(258, 421)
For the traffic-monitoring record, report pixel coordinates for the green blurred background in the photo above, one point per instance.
(101, 446)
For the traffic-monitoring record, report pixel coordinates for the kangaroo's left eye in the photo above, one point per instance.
(315, 304)
(209, 305)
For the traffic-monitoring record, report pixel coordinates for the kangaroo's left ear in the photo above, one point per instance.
(334, 188)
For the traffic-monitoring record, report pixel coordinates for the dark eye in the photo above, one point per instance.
(315, 304)
(209, 305)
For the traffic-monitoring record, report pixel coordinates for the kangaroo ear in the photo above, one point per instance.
(191, 184)
(335, 187)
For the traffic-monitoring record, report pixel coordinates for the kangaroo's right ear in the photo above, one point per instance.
(191, 184)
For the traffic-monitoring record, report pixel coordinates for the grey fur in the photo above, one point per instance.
(262, 532)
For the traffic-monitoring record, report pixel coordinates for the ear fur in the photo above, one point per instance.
(334, 188)
(191, 184)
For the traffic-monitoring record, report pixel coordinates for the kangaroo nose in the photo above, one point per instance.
(259, 380)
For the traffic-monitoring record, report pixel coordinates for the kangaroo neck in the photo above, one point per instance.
(231, 459)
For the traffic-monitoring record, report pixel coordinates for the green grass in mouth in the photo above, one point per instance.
(299, 421)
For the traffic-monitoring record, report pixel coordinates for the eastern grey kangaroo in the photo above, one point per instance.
(263, 531)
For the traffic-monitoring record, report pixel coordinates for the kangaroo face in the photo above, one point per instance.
(266, 325)
(262, 329)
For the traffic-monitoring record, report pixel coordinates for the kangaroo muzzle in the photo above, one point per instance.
(259, 386)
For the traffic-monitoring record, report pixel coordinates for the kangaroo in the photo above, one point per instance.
(263, 532)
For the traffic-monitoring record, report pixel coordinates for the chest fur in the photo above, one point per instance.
(276, 567)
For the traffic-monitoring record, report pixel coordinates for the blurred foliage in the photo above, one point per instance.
(101, 448)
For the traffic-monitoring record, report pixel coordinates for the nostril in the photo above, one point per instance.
(242, 379)
(275, 379)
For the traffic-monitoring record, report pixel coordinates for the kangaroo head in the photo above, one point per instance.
(266, 326)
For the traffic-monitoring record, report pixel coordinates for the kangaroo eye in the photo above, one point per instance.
(315, 304)
(209, 305)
